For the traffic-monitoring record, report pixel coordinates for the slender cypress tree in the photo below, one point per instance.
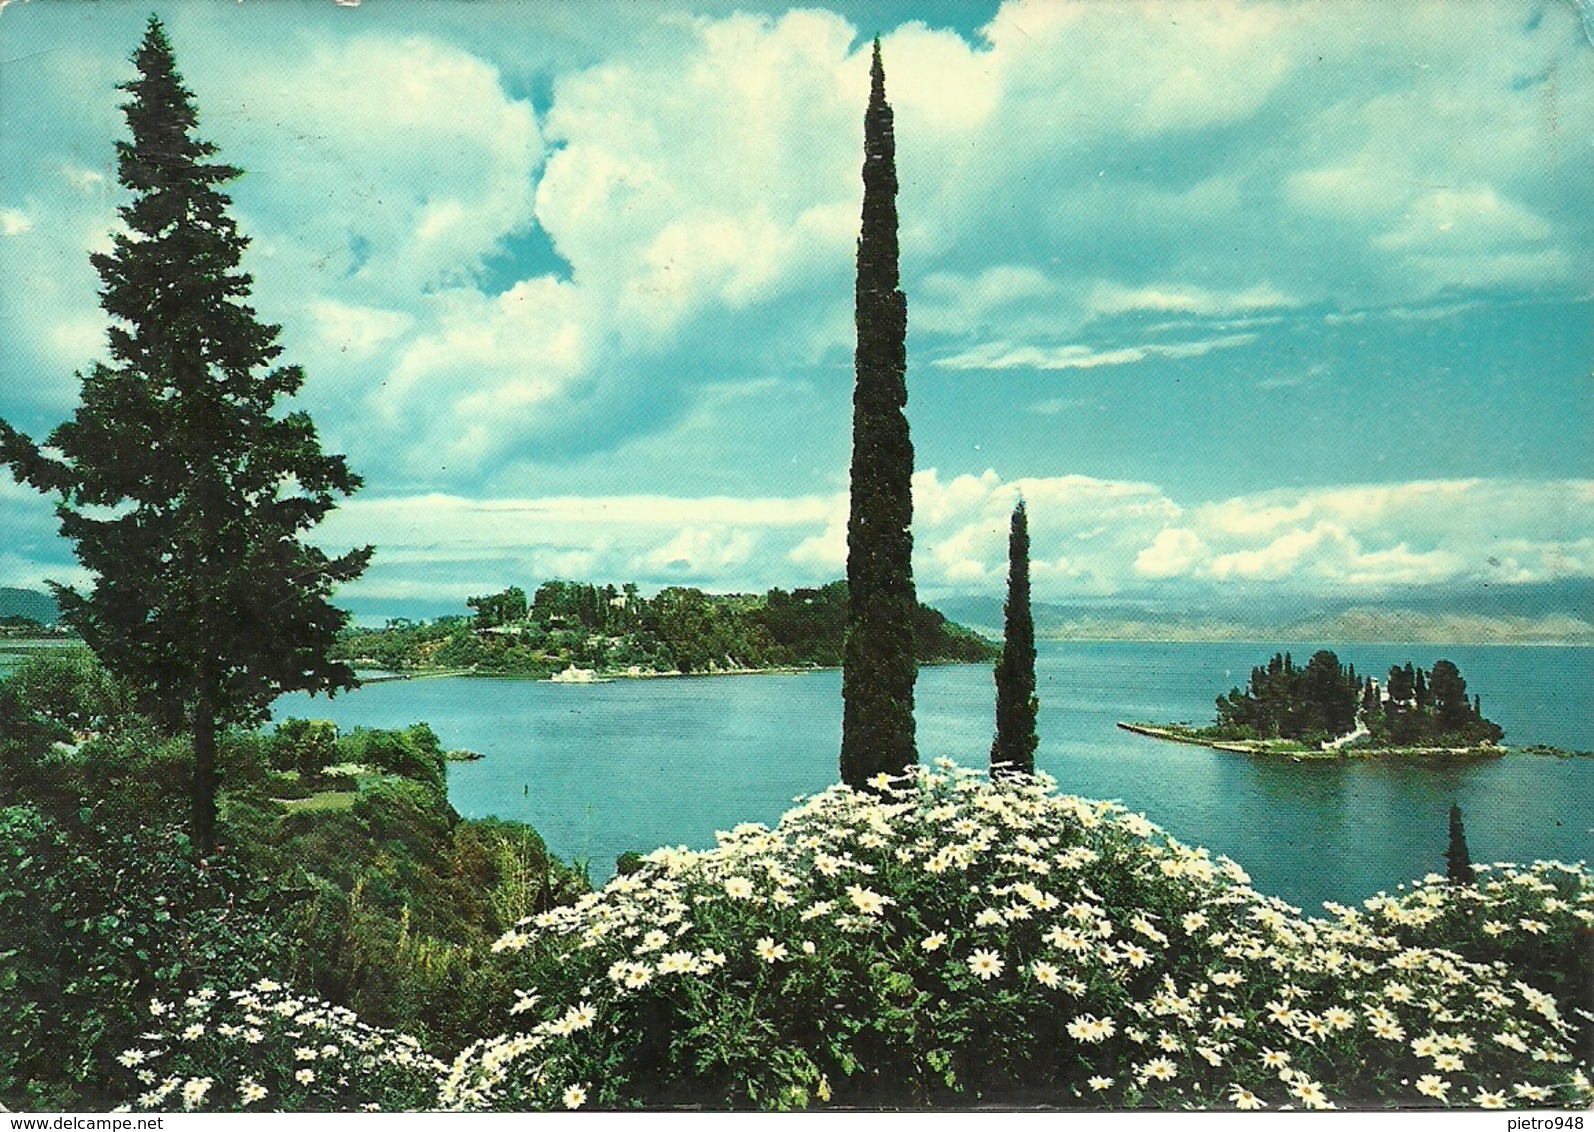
(1016, 702)
(1458, 868)
(878, 672)
(184, 491)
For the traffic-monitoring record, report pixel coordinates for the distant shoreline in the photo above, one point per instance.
(1056, 637)
(603, 676)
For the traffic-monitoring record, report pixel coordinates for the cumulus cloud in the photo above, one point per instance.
(1089, 537)
(1170, 554)
(399, 182)
(1069, 177)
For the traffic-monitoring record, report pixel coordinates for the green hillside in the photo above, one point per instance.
(611, 630)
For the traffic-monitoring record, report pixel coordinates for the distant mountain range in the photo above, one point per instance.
(1346, 623)
(28, 603)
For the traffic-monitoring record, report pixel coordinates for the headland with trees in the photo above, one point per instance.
(582, 630)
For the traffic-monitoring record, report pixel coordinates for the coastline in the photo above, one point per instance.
(1287, 748)
(606, 676)
(589, 675)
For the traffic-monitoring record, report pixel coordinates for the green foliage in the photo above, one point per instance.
(1430, 709)
(68, 691)
(396, 898)
(499, 609)
(298, 1054)
(70, 737)
(389, 904)
(940, 940)
(1016, 702)
(304, 745)
(879, 670)
(183, 490)
(1282, 701)
(95, 919)
(1326, 700)
(680, 630)
(414, 753)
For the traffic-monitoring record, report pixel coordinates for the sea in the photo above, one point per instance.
(600, 769)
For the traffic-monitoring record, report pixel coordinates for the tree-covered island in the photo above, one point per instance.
(1326, 709)
(583, 630)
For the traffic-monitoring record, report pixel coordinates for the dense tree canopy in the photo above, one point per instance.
(1325, 700)
(183, 489)
(1016, 702)
(613, 630)
(877, 730)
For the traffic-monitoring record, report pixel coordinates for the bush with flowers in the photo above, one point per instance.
(94, 918)
(943, 939)
(1533, 919)
(266, 1048)
(946, 939)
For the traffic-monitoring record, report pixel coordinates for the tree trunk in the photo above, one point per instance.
(205, 780)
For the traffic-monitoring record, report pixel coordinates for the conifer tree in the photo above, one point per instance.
(1458, 868)
(1016, 702)
(878, 670)
(184, 491)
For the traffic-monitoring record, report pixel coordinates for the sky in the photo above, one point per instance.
(1263, 308)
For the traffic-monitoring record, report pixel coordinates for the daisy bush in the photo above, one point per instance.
(269, 1049)
(1538, 918)
(946, 939)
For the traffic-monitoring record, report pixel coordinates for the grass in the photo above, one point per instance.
(325, 801)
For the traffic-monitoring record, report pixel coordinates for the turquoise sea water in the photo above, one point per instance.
(633, 764)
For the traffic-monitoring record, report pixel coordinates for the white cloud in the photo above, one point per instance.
(14, 222)
(719, 175)
(1113, 298)
(354, 330)
(1005, 355)
(701, 552)
(402, 180)
(1088, 536)
(1107, 68)
(1171, 553)
(1497, 531)
(956, 303)
(1476, 217)
(1083, 163)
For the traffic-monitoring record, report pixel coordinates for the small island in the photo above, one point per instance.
(1325, 710)
(579, 632)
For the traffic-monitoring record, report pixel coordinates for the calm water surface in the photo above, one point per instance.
(634, 764)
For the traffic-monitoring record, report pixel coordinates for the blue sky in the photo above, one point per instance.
(1260, 306)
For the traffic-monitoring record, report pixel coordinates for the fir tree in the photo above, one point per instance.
(878, 671)
(1458, 869)
(1016, 702)
(185, 496)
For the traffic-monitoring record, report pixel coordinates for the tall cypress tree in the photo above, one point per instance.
(1016, 702)
(877, 730)
(1458, 862)
(184, 490)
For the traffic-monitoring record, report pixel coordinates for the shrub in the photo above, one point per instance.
(940, 940)
(92, 919)
(266, 1048)
(415, 752)
(948, 941)
(304, 745)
